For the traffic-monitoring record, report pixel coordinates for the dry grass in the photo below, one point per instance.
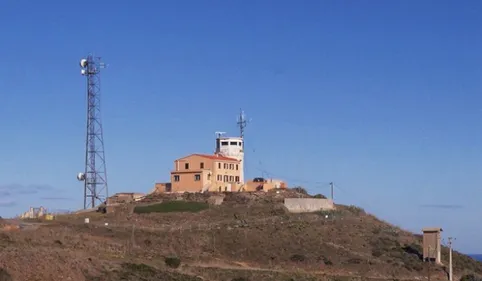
(250, 236)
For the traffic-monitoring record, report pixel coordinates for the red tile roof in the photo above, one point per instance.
(214, 157)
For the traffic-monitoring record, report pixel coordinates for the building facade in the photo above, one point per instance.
(232, 147)
(201, 172)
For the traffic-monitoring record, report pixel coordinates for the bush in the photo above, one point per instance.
(470, 277)
(297, 258)
(300, 189)
(356, 210)
(320, 196)
(173, 262)
(5, 276)
(172, 206)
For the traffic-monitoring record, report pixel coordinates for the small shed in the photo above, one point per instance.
(431, 244)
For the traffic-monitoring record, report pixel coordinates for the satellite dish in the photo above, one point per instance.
(83, 71)
(80, 176)
(83, 63)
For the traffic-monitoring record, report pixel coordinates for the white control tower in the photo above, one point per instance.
(232, 147)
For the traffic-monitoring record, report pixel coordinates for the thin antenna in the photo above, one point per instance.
(95, 174)
(242, 122)
(332, 190)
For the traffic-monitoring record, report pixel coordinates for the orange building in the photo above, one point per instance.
(201, 172)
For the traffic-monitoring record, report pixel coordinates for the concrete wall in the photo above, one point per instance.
(304, 205)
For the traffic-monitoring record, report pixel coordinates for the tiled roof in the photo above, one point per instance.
(214, 157)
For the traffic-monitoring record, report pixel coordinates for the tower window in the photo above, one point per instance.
(202, 165)
(233, 143)
(177, 178)
(237, 167)
(237, 178)
(186, 166)
(219, 165)
(231, 166)
(197, 177)
(224, 143)
(225, 166)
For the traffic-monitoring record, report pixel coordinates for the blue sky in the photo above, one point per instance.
(381, 97)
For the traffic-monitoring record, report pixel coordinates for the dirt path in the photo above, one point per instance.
(243, 266)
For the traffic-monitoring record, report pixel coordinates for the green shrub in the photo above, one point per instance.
(173, 262)
(172, 206)
(140, 269)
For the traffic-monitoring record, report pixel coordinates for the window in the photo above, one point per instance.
(240, 144)
(237, 167)
(202, 165)
(225, 188)
(233, 143)
(219, 165)
(225, 166)
(219, 178)
(224, 143)
(197, 177)
(231, 178)
(186, 166)
(237, 178)
(177, 178)
(225, 178)
(231, 166)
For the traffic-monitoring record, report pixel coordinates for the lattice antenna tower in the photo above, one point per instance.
(242, 123)
(95, 173)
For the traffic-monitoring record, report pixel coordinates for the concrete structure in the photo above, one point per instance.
(124, 197)
(201, 173)
(431, 244)
(34, 213)
(232, 147)
(162, 187)
(262, 184)
(306, 205)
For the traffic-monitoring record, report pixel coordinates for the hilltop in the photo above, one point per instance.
(250, 236)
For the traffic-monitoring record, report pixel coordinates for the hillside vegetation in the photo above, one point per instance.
(250, 236)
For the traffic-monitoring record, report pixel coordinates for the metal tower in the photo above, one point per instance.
(242, 123)
(95, 174)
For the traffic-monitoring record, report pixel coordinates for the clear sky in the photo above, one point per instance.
(382, 97)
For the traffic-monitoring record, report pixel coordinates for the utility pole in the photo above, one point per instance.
(332, 190)
(429, 263)
(450, 258)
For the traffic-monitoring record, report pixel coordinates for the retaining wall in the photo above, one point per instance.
(305, 205)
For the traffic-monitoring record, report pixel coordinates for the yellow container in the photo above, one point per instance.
(49, 217)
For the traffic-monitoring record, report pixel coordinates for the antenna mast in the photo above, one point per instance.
(242, 122)
(95, 174)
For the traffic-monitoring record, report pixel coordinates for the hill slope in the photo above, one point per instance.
(249, 236)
